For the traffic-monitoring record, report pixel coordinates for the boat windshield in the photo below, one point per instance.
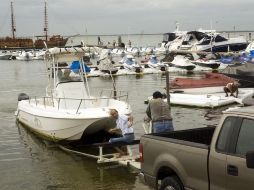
(67, 75)
(205, 41)
(168, 37)
(72, 72)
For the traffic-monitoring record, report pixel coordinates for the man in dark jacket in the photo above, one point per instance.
(158, 111)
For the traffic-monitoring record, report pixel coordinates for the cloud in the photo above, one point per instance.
(70, 17)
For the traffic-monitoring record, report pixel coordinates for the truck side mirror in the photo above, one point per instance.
(250, 159)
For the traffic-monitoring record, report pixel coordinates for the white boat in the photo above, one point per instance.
(201, 90)
(135, 51)
(118, 52)
(212, 63)
(105, 63)
(209, 100)
(5, 55)
(39, 55)
(183, 63)
(250, 48)
(131, 65)
(212, 42)
(68, 111)
(147, 50)
(155, 63)
(218, 43)
(171, 40)
(25, 56)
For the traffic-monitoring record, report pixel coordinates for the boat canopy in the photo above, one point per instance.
(75, 67)
(69, 54)
(198, 35)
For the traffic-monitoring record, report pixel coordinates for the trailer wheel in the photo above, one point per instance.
(171, 183)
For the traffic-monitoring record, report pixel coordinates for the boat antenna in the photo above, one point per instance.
(177, 26)
(45, 21)
(13, 26)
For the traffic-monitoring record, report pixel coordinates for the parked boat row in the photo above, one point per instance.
(22, 55)
(202, 40)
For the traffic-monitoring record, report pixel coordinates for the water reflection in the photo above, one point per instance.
(27, 162)
(56, 169)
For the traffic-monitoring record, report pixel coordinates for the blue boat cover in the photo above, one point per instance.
(75, 67)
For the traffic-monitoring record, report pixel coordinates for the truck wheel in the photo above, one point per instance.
(171, 183)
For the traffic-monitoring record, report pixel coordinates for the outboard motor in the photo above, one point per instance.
(23, 96)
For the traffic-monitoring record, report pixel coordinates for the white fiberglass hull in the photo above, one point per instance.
(55, 129)
(57, 124)
(201, 90)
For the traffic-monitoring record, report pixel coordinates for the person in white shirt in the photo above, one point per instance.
(124, 124)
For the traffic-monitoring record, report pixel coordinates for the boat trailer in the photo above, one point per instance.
(128, 160)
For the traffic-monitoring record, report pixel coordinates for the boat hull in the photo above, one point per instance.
(186, 67)
(209, 64)
(224, 47)
(56, 129)
(109, 71)
(201, 90)
(5, 57)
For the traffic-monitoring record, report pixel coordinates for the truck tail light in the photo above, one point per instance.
(141, 153)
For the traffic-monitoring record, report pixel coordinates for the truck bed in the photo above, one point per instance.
(199, 135)
(184, 151)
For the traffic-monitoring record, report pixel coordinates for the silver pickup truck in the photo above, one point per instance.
(210, 158)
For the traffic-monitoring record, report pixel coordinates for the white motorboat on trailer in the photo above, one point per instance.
(68, 111)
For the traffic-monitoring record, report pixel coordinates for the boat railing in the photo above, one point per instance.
(75, 103)
(116, 94)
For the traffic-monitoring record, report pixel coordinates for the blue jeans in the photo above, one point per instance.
(162, 126)
(125, 138)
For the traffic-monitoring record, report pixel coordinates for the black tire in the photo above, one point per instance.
(171, 183)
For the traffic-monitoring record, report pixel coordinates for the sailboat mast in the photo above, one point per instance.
(13, 27)
(46, 21)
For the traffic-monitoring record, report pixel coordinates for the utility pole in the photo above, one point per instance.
(46, 21)
(167, 88)
(13, 27)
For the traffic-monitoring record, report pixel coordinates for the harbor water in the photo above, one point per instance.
(28, 162)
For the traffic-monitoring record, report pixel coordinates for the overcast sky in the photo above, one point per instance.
(70, 17)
